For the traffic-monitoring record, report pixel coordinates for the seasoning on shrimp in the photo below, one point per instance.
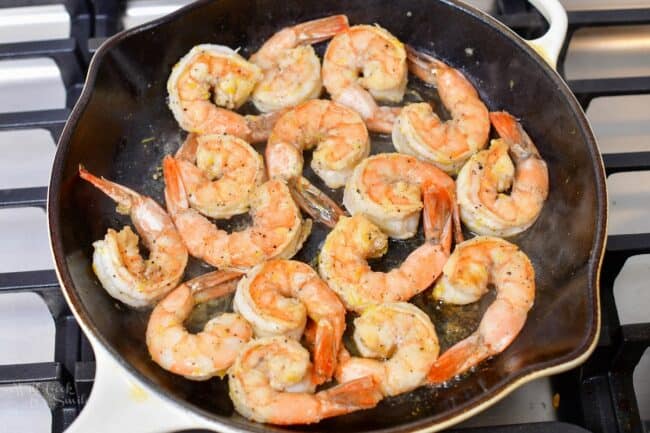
(418, 131)
(205, 354)
(220, 172)
(343, 258)
(278, 296)
(209, 82)
(363, 65)
(117, 261)
(398, 345)
(277, 230)
(290, 67)
(496, 197)
(270, 382)
(474, 265)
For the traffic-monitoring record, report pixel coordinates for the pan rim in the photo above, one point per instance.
(557, 365)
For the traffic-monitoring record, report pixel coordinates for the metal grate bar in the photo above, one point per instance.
(630, 161)
(611, 86)
(23, 197)
(30, 373)
(631, 243)
(609, 17)
(29, 281)
(52, 120)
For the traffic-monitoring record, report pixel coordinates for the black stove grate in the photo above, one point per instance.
(597, 397)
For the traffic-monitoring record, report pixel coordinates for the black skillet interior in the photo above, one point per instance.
(122, 128)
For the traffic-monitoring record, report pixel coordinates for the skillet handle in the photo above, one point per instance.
(120, 403)
(550, 44)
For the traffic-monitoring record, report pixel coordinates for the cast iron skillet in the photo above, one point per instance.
(121, 128)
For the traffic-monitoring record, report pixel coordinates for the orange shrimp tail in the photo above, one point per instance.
(509, 128)
(362, 393)
(120, 194)
(314, 202)
(423, 65)
(315, 31)
(175, 196)
(214, 285)
(453, 362)
(437, 216)
(324, 353)
(188, 149)
(383, 119)
(261, 125)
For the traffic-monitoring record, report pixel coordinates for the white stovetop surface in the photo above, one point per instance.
(27, 330)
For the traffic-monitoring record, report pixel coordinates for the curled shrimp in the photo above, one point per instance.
(278, 296)
(208, 78)
(343, 259)
(337, 132)
(270, 382)
(220, 173)
(399, 345)
(291, 69)
(474, 265)
(205, 354)
(496, 197)
(418, 131)
(277, 231)
(388, 187)
(117, 262)
(363, 65)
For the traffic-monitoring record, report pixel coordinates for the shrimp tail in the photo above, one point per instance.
(313, 201)
(324, 352)
(454, 361)
(509, 129)
(438, 216)
(261, 125)
(361, 393)
(422, 65)
(123, 196)
(175, 195)
(315, 31)
(188, 149)
(383, 119)
(214, 285)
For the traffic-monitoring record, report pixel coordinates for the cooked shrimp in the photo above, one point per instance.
(278, 296)
(387, 188)
(270, 381)
(117, 261)
(343, 259)
(337, 132)
(277, 231)
(210, 77)
(205, 354)
(290, 66)
(418, 131)
(363, 65)
(474, 265)
(496, 197)
(403, 342)
(220, 173)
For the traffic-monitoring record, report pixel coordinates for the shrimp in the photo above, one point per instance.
(117, 262)
(387, 188)
(474, 265)
(418, 131)
(205, 354)
(208, 78)
(270, 381)
(277, 231)
(343, 258)
(276, 297)
(220, 173)
(337, 132)
(291, 69)
(403, 342)
(363, 65)
(498, 198)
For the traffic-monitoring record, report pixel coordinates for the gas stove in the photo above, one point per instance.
(47, 365)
